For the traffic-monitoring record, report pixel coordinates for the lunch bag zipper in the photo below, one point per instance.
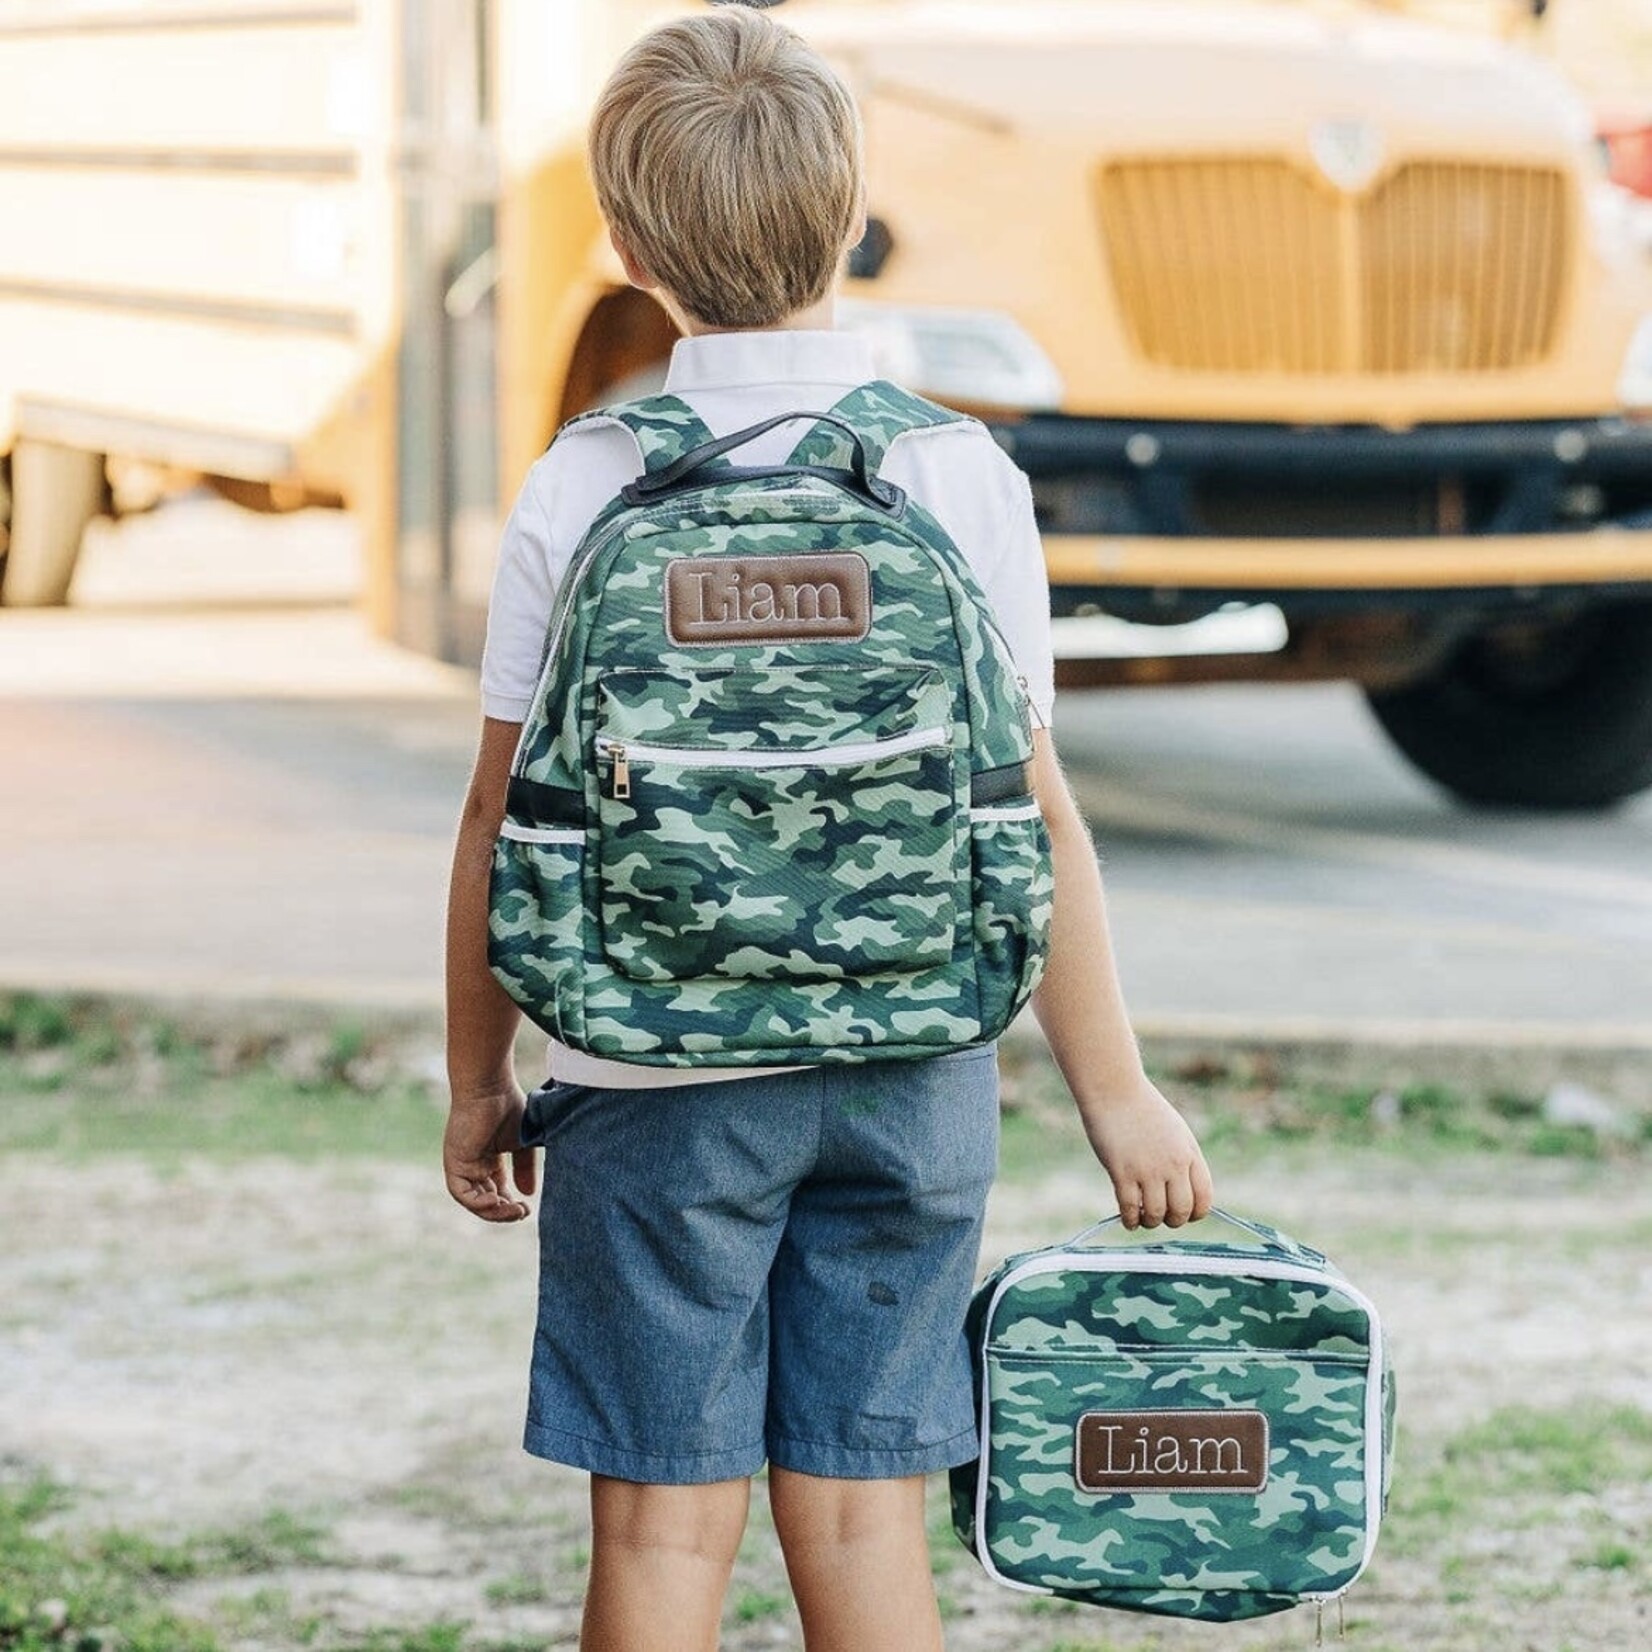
(1149, 1353)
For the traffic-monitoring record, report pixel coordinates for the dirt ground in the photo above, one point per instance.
(189, 1344)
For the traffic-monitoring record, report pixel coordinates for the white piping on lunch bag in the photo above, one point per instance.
(1125, 1263)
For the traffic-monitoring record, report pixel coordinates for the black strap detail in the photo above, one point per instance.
(545, 805)
(662, 480)
(1001, 784)
(885, 495)
(738, 438)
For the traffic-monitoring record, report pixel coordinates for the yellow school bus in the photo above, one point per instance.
(1326, 309)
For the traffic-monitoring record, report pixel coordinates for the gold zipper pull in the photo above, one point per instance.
(622, 771)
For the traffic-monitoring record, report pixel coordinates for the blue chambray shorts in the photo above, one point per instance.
(772, 1267)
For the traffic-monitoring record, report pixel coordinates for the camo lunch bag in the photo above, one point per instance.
(772, 801)
(1191, 1428)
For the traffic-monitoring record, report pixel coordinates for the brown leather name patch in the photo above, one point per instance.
(711, 601)
(1171, 1451)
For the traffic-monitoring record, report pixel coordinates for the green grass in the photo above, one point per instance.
(1583, 1449)
(58, 1591)
(520, 1589)
(1613, 1556)
(1522, 1485)
(1051, 1606)
(266, 1618)
(276, 1540)
(946, 1553)
(754, 1605)
(434, 1637)
(1256, 1104)
(55, 1593)
(107, 1591)
(437, 1637)
(81, 1079)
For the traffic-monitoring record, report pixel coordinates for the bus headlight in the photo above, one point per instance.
(1635, 382)
(980, 356)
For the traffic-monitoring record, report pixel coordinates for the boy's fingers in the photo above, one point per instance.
(479, 1192)
(492, 1206)
(525, 1170)
(1129, 1195)
(1154, 1203)
(1179, 1204)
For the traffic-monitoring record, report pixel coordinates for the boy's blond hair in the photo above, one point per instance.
(727, 155)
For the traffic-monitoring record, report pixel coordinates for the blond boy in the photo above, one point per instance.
(755, 1265)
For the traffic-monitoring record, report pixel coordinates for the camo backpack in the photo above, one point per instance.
(1178, 1426)
(772, 801)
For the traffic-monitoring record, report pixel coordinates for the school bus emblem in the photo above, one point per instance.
(1348, 152)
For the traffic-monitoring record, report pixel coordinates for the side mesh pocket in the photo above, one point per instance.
(1014, 893)
(536, 919)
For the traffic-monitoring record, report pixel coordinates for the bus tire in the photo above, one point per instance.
(56, 492)
(1544, 715)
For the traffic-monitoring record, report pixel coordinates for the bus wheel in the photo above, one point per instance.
(55, 491)
(624, 348)
(1550, 714)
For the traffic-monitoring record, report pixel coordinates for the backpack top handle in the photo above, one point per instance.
(700, 466)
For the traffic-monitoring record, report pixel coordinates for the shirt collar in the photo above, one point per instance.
(804, 355)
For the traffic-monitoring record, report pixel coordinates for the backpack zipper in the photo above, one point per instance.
(623, 753)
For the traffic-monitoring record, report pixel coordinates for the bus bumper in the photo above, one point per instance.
(1165, 521)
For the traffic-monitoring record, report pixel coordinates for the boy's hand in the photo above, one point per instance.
(481, 1130)
(1159, 1174)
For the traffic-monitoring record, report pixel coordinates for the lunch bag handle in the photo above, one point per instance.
(1271, 1239)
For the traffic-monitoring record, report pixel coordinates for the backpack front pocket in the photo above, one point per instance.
(793, 824)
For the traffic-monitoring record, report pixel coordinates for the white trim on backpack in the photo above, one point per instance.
(706, 757)
(541, 834)
(1006, 811)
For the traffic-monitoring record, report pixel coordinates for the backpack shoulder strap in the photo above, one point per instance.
(665, 427)
(880, 411)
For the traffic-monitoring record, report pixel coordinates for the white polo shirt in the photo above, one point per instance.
(955, 471)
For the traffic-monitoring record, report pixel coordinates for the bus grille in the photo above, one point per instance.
(1251, 265)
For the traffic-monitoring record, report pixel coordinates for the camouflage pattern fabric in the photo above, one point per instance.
(833, 905)
(872, 851)
(1085, 1331)
(879, 411)
(665, 427)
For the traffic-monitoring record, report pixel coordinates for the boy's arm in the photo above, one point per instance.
(1158, 1171)
(486, 1111)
